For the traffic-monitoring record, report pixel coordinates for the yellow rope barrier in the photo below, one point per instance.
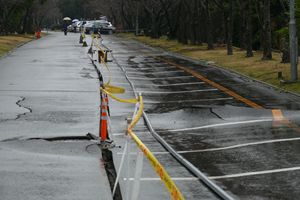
(164, 176)
(132, 101)
(166, 179)
(110, 88)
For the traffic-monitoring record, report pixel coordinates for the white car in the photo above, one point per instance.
(102, 26)
(75, 26)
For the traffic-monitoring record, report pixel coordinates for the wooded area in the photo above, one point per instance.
(246, 24)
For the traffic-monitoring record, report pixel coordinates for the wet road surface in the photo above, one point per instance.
(242, 134)
(47, 90)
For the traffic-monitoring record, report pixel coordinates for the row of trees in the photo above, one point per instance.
(248, 24)
(25, 16)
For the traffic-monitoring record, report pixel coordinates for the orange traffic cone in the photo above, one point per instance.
(104, 118)
(38, 34)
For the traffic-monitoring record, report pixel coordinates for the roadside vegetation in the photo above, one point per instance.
(8, 42)
(255, 67)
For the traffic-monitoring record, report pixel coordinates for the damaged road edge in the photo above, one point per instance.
(107, 155)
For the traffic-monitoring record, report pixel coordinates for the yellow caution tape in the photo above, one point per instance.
(110, 90)
(132, 101)
(166, 179)
(138, 114)
(114, 89)
(164, 176)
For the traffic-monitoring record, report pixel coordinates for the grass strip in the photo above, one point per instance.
(9, 42)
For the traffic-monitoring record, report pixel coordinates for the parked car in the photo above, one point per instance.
(89, 27)
(82, 24)
(76, 26)
(102, 26)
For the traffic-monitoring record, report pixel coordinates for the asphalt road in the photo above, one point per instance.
(242, 134)
(47, 90)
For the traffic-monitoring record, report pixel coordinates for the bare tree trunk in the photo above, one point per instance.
(154, 24)
(230, 28)
(124, 17)
(193, 21)
(243, 15)
(171, 33)
(181, 32)
(249, 29)
(267, 40)
(210, 45)
(197, 22)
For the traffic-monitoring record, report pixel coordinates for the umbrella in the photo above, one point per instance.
(67, 19)
(75, 20)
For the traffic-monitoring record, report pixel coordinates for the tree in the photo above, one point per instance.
(267, 39)
(249, 14)
(209, 35)
(230, 28)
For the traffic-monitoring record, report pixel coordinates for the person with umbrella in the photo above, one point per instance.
(65, 25)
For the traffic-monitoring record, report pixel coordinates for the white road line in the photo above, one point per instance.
(160, 78)
(188, 101)
(255, 173)
(222, 124)
(222, 177)
(158, 179)
(173, 84)
(145, 78)
(229, 147)
(240, 145)
(146, 73)
(176, 92)
(166, 85)
(148, 68)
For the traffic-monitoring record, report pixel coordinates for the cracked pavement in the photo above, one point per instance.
(47, 90)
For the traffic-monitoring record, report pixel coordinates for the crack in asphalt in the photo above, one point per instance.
(214, 113)
(18, 103)
(88, 76)
(21, 106)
